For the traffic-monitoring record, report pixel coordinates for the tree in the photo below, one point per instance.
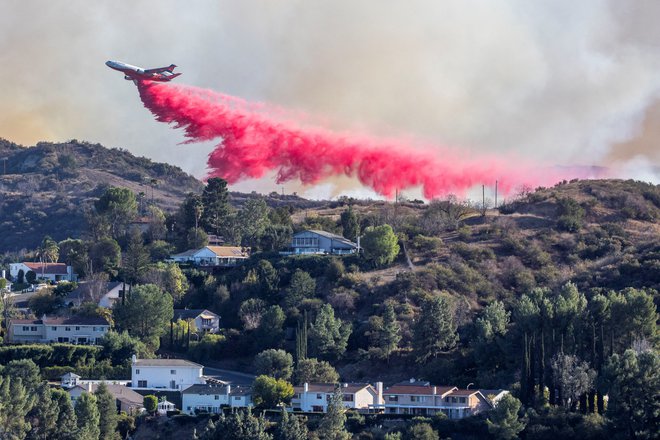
(632, 382)
(168, 277)
(20, 277)
(421, 431)
(87, 416)
(136, 259)
(48, 251)
(312, 370)
(270, 331)
(118, 206)
(195, 239)
(435, 331)
(333, 423)
(268, 278)
(30, 277)
(150, 403)
(380, 245)
(215, 199)
(350, 224)
(302, 286)
(107, 413)
(385, 332)
(276, 237)
(145, 314)
(570, 215)
(44, 415)
(25, 370)
(44, 303)
(251, 312)
(503, 421)
(239, 425)
(268, 392)
(573, 378)
(290, 427)
(66, 427)
(15, 403)
(157, 227)
(444, 215)
(329, 334)
(104, 255)
(119, 347)
(253, 219)
(274, 363)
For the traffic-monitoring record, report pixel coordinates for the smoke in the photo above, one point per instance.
(257, 139)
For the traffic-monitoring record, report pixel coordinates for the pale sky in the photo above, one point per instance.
(561, 82)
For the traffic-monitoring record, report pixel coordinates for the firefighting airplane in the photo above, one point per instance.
(135, 74)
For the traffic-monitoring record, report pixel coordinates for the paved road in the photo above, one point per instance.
(233, 377)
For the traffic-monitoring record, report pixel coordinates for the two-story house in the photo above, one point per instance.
(168, 374)
(212, 398)
(315, 397)
(205, 320)
(319, 242)
(74, 329)
(423, 399)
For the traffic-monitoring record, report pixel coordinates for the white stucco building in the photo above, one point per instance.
(76, 330)
(212, 398)
(166, 374)
(50, 271)
(319, 242)
(315, 397)
(205, 320)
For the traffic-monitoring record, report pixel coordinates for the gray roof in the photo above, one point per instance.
(206, 389)
(165, 363)
(83, 291)
(329, 235)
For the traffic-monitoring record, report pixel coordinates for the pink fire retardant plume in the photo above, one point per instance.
(255, 139)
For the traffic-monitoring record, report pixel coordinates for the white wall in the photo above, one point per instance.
(161, 376)
(210, 402)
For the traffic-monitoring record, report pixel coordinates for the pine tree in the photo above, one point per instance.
(435, 330)
(15, 403)
(107, 413)
(216, 205)
(391, 334)
(290, 427)
(329, 334)
(87, 415)
(350, 224)
(44, 415)
(503, 421)
(333, 423)
(66, 427)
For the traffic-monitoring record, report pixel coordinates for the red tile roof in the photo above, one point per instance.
(47, 268)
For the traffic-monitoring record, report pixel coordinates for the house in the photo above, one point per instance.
(126, 399)
(423, 399)
(167, 374)
(69, 380)
(212, 398)
(494, 395)
(164, 406)
(75, 330)
(315, 397)
(103, 293)
(214, 256)
(319, 242)
(49, 271)
(205, 321)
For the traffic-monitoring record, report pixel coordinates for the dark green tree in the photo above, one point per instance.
(49, 251)
(66, 427)
(435, 330)
(267, 278)
(350, 224)
(276, 237)
(384, 333)
(329, 335)
(270, 331)
(118, 206)
(215, 199)
(421, 431)
(333, 423)
(87, 416)
(15, 404)
(274, 363)
(104, 255)
(253, 220)
(44, 414)
(136, 259)
(107, 413)
(150, 403)
(302, 286)
(312, 370)
(503, 421)
(290, 427)
(238, 425)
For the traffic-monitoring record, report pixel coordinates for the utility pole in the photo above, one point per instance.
(496, 194)
(4, 163)
(483, 199)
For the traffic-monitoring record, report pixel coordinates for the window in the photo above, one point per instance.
(34, 329)
(319, 396)
(393, 398)
(237, 398)
(217, 397)
(142, 383)
(347, 398)
(93, 329)
(137, 371)
(26, 328)
(67, 329)
(53, 328)
(172, 371)
(453, 400)
(461, 399)
(77, 327)
(414, 399)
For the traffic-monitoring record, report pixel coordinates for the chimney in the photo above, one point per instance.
(2, 274)
(345, 385)
(133, 359)
(412, 380)
(379, 391)
(306, 387)
(228, 389)
(89, 387)
(435, 389)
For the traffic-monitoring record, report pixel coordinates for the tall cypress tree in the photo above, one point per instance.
(66, 427)
(87, 415)
(333, 424)
(107, 407)
(44, 416)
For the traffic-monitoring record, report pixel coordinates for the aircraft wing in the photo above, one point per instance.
(161, 69)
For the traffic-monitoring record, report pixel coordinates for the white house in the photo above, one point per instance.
(212, 398)
(216, 256)
(103, 293)
(205, 320)
(319, 242)
(167, 374)
(50, 271)
(75, 329)
(315, 397)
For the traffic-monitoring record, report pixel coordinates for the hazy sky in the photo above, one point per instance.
(562, 82)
